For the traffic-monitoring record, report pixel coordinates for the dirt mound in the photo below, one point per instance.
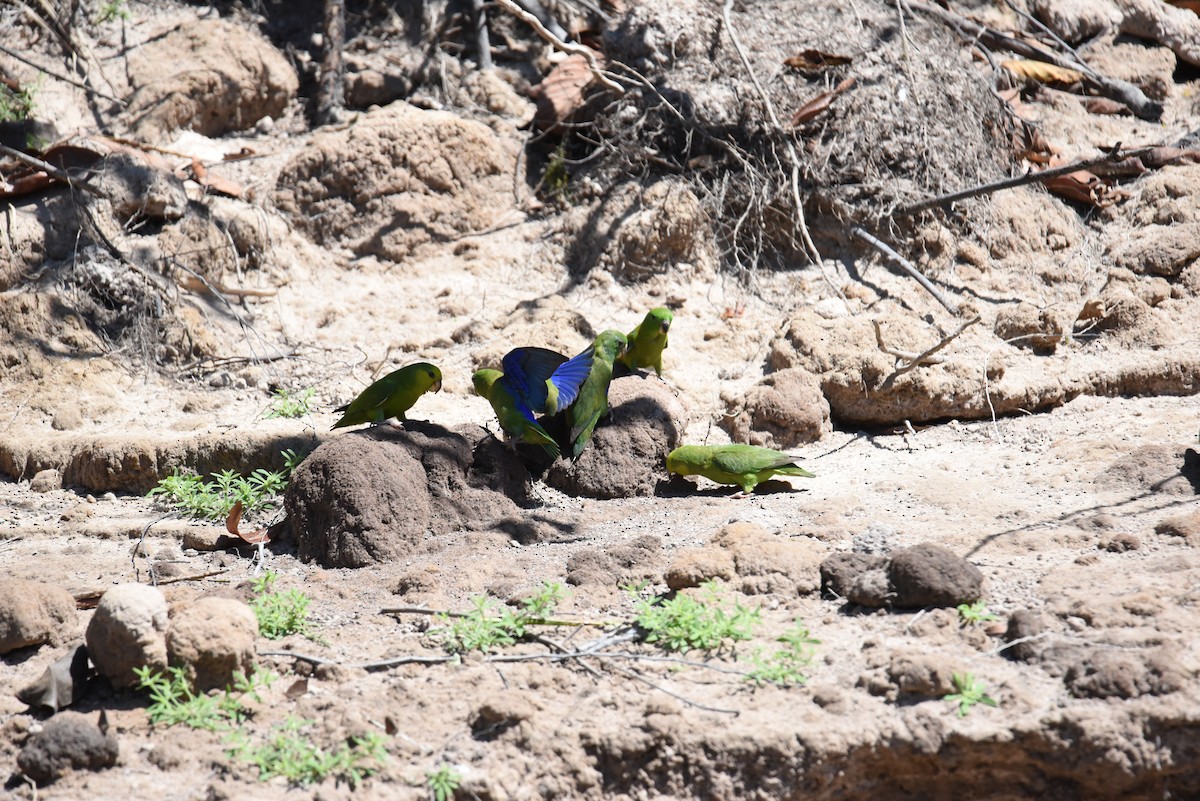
(373, 496)
(210, 76)
(397, 179)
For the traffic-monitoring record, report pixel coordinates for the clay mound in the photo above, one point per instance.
(399, 178)
(219, 78)
(627, 454)
(372, 496)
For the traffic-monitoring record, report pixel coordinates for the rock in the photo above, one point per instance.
(627, 454)
(1023, 625)
(127, 631)
(499, 713)
(923, 675)
(398, 178)
(212, 638)
(694, 566)
(32, 613)
(1077, 20)
(1104, 673)
(46, 480)
(371, 496)
(1120, 542)
(870, 588)
(782, 411)
(1185, 525)
(69, 741)
(211, 76)
(840, 571)
(766, 563)
(636, 232)
(140, 187)
(1026, 326)
(1159, 249)
(930, 575)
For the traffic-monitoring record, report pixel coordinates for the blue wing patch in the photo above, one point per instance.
(569, 377)
(526, 371)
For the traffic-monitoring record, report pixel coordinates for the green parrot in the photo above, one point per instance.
(592, 402)
(391, 396)
(533, 381)
(647, 341)
(745, 465)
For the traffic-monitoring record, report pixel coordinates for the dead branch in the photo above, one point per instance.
(1114, 155)
(907, 355)
(331, 89)
(482, 45)
(59, 77)
(923, 357)
(50, 169)
(905, 265)
(570, 48)
(1112, 88)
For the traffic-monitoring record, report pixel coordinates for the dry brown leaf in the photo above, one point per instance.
(22, 179)
(1191, 5)
(561, 92)
(1164, 156)
(819, 104)
(233, 523)
(1083, 186)
(1042, 71)
(298, 688)
(215, 183)
(61, 684)
(810, 60)
(1103, 105)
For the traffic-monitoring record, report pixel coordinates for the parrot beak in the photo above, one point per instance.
(665, 325)
(437, 385)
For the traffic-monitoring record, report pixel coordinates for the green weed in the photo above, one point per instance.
(281, 613)
(291, 404)
(110, 10)
(443, 782)
(489, 625)
(684, 623)
(974, 613)
(213, 499)
(970, 692)
(173, 701)
(17, 105)
(557, 178)
(290, 752)
(785, 666)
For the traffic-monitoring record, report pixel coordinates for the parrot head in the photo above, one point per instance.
(433, 375)
(662, 317)
(483, 380)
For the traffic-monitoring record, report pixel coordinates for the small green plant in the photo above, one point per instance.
(290, 752)
(17, 105)
(281, 613)
(291, 404)
(557, 178)
(110, 10)
(970, 692)
(785, 667)
(683, 623)
(213, 499)
(173, 700)
(489, 625)
(975, 613)
(443, 781)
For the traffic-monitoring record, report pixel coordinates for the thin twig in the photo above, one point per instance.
(801, 223)
(924, 355)
(63, 78)
(536, 621)
(907, 355)
(50, 169)
(1114, 155)
(569, 48)
(482, 44)
(905, 265)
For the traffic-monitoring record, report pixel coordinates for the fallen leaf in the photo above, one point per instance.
(297, 688)
(819, 104)
(22, 179)
(810, 60)
(233, 523)
(561, 92)
(1164, 156)
(1103, 105)
(215, 183)
(1042, 71)
(1083, 186)
(62, 683)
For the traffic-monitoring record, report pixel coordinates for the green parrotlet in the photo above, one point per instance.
(391, 396)
(744, 465)
(647, 341)
(592, 402)
(533, 381)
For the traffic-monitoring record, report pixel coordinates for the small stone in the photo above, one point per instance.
(213, 638)
(67, 418)
(924, 675)
(127, 632)
(46, 480)
(1185, 525)
(1121, 542)
(870, 588)
(694, 566)
(1026, 326)
(839, 571)
(1023, 626)
(930, 575)
(32, 613)
(1104, 673)
(70, 741)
